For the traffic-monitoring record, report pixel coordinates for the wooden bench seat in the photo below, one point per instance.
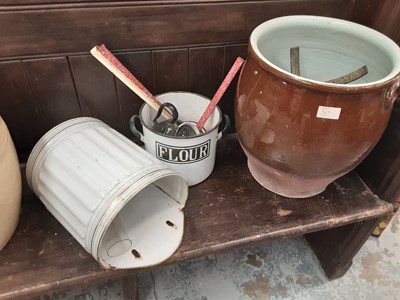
(229, 210)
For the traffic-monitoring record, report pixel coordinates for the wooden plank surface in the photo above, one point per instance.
(52, 86)
(140, 65)
(205, 70)
(32, 4)
(239, 212)
(231, 52)
(387, 19)
(129, 26)
(365, 11)
(170, 68)
(343, 244)
(54, 92)
(43, 257)
(96, 90)
(36, 2)
(18, 106)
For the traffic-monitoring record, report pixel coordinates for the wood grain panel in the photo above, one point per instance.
(205, 70)
(387, 20)
(18, 107)
(31, 4)
(227, 102)
(96, 91)
(53, 88)
(140, 65)
(170, 70)
(365, 11)
(35, 2)
(36, 32)
(336, 247)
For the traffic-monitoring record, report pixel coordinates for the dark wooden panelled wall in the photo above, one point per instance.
(47, 74)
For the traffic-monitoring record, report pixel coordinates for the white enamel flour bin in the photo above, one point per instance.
(191, 156)
(119, 202)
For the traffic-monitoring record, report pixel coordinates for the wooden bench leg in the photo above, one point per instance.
(129, 287)
(336, 247)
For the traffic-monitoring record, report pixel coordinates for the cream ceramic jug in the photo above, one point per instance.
(10, 186)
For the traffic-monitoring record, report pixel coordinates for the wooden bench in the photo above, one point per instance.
(48, 76)
(229, 210)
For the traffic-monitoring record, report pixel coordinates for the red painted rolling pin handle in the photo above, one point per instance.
(221, 90)
(103, 55)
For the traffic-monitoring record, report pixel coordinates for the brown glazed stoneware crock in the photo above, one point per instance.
(300, 133)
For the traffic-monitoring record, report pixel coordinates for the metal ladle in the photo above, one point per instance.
(189, 129)
(174, 127)
(169, 126)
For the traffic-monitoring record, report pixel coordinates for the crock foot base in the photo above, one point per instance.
(284, 184)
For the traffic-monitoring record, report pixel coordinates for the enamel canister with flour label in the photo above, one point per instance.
(301, 132)
(191, 156)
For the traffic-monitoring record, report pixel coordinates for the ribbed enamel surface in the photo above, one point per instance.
(80, 168)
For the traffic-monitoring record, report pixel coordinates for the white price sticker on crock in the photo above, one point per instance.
(326, 112)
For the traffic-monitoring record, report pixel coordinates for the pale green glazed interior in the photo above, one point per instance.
(329, 48)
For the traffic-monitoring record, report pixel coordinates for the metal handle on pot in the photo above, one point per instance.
(226, 127)
(132, 126)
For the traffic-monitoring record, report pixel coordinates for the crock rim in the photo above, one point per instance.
(254, 52)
